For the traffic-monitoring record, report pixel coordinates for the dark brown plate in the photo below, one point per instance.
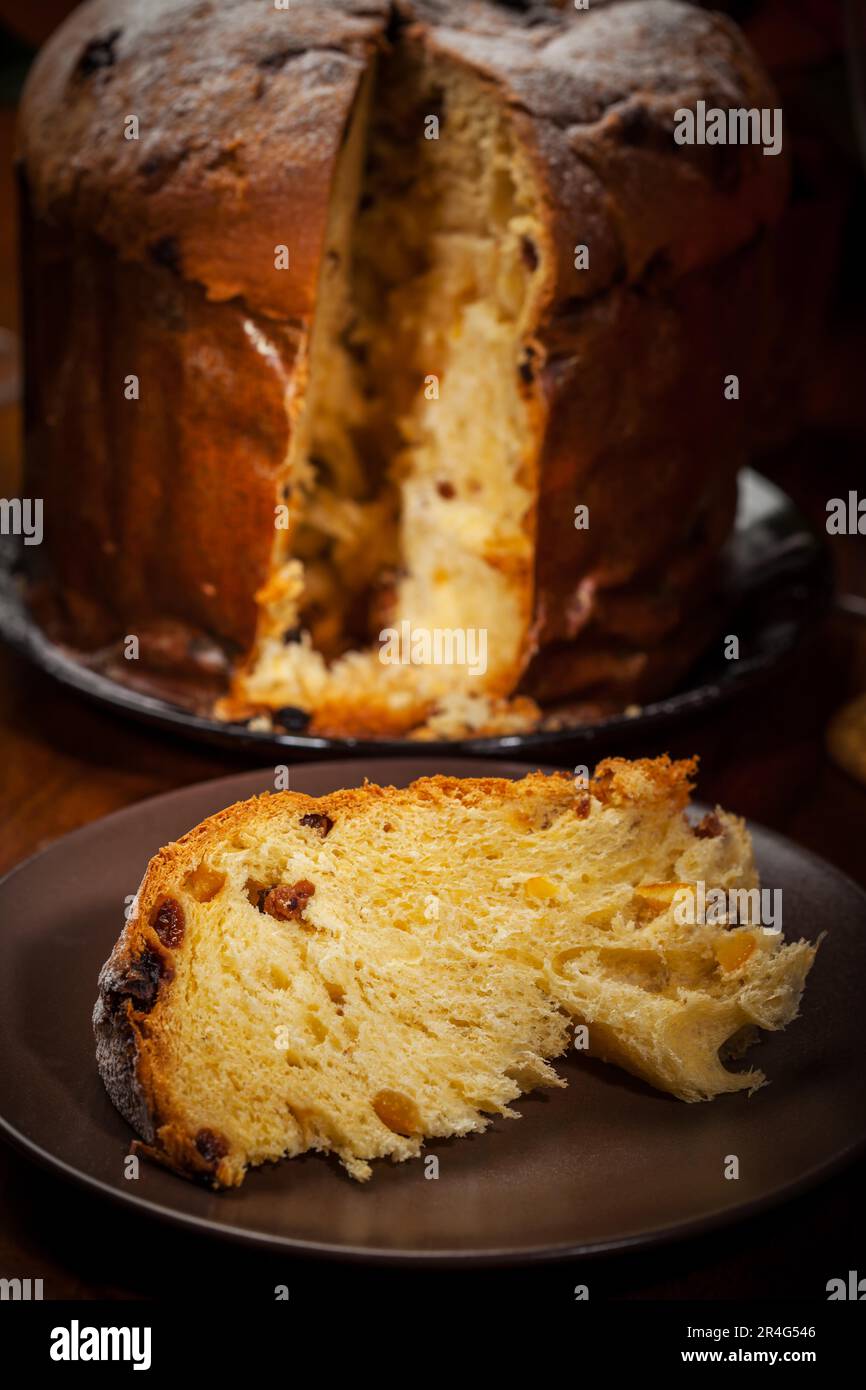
(775, 587)
(606, 1163)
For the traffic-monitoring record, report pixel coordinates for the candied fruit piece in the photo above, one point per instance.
(734, 950)
(539, 888)
(203, 883)
(397, 1112)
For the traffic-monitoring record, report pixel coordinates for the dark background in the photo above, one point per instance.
(66, 763)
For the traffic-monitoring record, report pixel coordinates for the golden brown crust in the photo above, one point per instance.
(168, 512)
(172, 494)
(652, 449)
(242, 109)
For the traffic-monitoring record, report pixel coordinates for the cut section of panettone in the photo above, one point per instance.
(411, 480)
(357, 973)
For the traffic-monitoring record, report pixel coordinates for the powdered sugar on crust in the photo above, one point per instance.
(241, 109)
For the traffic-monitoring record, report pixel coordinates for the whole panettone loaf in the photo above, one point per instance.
(338, 315)
(358, 972)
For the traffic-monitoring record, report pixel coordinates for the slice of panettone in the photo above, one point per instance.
(363, 971)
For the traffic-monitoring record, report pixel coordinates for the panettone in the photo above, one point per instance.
(358, 972)
(339, 315)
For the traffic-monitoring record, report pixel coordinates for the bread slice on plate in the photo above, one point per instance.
(357, 973)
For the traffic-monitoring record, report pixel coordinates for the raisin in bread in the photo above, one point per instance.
(360, 972)
(376, 373)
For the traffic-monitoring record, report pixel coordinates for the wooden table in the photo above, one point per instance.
(66, 763)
